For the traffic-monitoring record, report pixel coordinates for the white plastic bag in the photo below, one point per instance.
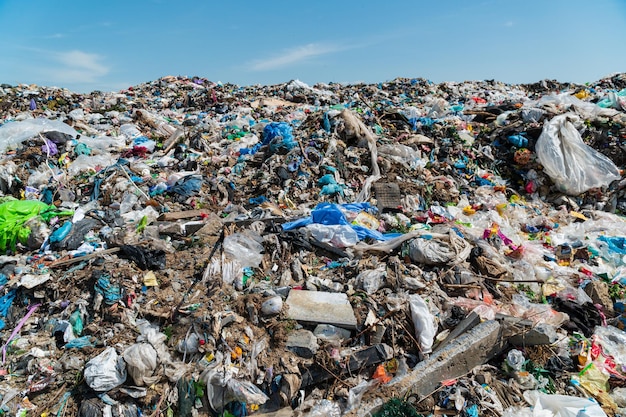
(90, 162)
(14, 133)
(424, 323)
(573, 166)
(402, 154)
(141, 362)
(106, 371)
(339, 235)
(371, 280)
(431, 251)
(563, 405)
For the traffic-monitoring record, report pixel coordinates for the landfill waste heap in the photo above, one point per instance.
(192, 248)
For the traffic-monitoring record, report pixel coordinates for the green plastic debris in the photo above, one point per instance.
(142, 224)
(396, 407)
(14, 214)
(76, 321)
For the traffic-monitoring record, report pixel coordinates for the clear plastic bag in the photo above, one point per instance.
(14, 133)
(573, 166)
(245, 248)
(106, 371)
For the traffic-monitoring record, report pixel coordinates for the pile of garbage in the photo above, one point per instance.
(186, 247)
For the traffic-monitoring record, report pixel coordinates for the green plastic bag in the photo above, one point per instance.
(14, 214)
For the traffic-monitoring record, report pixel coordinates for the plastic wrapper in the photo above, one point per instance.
(106, 371)
(573, 166)
(423, 322)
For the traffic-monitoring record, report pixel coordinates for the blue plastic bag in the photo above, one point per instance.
(333, 214)
(278, 135)
(61, 233)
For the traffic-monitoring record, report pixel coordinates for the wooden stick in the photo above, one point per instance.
(56, 264)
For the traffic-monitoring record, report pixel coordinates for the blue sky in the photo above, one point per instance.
(111, 45)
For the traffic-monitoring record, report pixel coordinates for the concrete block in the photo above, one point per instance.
(540, 334)
(461, 355)
(598, 291)
(319, 307)
(303, 343)
(466, 324)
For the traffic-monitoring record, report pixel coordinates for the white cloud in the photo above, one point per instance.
(293, 56)
(78, 67)
(509, 24)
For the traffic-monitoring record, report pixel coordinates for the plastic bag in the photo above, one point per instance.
(324, 408)
(619, 396)
(13, 216)
(573, 166)
(279, 136)
(334, 214)
(106, 371)
(405, 155)
(244, 247)
(340, 236)
(437, 251)
(141, 362)
(613, 342)
(562, 405)
(90, 163)
(14, 133)
(424, 323)
(372, 279)
(152, 259)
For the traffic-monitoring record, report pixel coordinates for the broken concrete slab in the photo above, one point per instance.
(598, 291)
(466, 324)
(469, 350)
(524, 332)
(303, 343)
(321, 308)
(540, 334)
